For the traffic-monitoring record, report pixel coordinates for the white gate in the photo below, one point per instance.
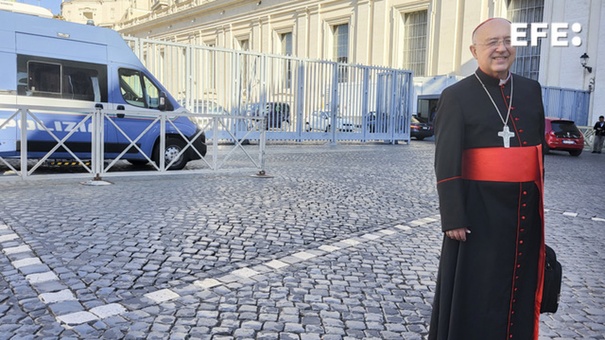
(301, 99)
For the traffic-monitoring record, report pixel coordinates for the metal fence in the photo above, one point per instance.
(301, 99)
(567, 104)
(85, 139)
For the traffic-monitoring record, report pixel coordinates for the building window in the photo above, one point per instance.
(341, 49)
(286, 43)
(527, 63)
(244, 44)
(414, 42)
(286, 49)
(209, 59)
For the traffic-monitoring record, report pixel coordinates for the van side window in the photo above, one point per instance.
(57, 78)
(138, 90)
(44, 78)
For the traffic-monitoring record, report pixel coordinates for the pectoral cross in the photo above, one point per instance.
(506, 136)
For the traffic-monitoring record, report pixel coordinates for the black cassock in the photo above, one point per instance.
(487, 286)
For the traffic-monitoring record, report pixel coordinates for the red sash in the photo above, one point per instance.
(519, 164)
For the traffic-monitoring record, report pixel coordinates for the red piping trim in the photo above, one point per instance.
(512, 288)
(542, 257)
(448, 179)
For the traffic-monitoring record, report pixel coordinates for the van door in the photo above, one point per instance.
(139, 98)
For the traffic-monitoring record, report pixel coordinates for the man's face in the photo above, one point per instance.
(492, 48)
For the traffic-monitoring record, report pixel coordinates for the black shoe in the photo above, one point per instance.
(594, 152)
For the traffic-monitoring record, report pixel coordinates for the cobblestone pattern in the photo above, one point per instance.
(337, 245)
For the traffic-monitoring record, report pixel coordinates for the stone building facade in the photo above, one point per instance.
(429, 37)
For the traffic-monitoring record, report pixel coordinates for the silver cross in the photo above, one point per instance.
(506, 136)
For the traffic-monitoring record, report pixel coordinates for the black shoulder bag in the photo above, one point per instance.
(553, 274)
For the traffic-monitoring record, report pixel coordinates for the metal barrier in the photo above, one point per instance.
(588, 133)
(302, 99)
(566, 104)
(88, 131)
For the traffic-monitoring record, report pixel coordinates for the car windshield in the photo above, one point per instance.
(565, 128)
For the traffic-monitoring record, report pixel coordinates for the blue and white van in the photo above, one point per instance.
(50, 63)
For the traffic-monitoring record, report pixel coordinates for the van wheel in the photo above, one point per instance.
(173, 147)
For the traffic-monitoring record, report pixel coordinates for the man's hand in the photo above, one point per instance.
(458, 234)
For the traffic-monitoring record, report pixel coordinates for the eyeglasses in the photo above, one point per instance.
(493, 43)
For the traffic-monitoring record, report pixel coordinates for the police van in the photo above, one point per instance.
(49, 64)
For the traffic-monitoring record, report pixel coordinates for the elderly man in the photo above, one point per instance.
(488, 161)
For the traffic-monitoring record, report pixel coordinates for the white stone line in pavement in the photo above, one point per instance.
(16, 250)
(350, 242)
(371, 236)
(328, 248)
(77, 318)
(244, 272)
(162, 295)
(8, 237)
(26, 262)
(3, 227)
(106, 311)
(572, 214)
(276, 264)
(207, 283)
(60, 296)
(41, 277)
(304, 255)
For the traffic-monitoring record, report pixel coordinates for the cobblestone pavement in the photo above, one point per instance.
(341, 243)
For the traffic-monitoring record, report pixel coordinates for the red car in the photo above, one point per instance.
(563, 135)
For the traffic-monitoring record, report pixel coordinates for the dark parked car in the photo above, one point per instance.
(563, 135)
(420, 128)
(276, 112)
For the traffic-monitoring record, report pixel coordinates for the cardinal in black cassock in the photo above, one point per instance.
(488, 163)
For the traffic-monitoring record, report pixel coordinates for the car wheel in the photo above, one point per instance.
(419, 138)
(173, 147)
(575, 153)
(546, 149)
